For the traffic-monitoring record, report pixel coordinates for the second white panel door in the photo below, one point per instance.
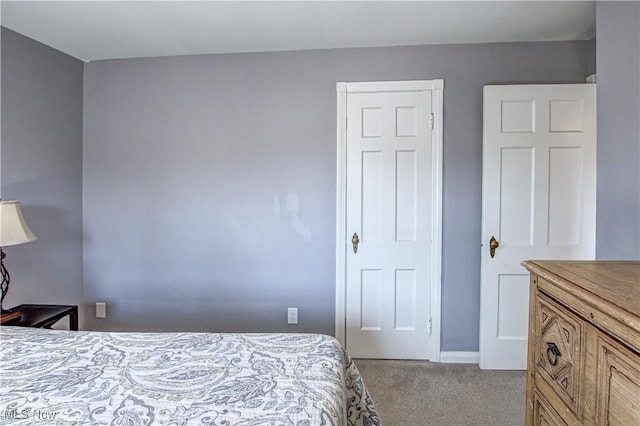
(539, 200)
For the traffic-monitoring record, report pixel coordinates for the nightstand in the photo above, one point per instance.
(42, 316)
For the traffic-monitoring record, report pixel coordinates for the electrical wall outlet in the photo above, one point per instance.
(101, 310)
(292, 315)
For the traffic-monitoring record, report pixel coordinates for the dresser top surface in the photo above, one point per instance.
(617, 282)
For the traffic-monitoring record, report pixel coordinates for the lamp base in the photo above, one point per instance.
(4, 279)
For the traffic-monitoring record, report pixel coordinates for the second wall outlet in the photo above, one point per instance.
(101, 310)
(292, 315)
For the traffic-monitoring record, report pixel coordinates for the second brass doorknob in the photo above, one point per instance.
(493, 245)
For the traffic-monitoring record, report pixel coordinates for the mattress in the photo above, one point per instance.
(84, 377)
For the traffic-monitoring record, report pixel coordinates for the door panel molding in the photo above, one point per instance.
(343, 240)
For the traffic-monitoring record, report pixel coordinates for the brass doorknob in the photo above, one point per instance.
(493, 245)
(355, 240)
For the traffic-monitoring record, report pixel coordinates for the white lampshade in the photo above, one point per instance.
(13, 228)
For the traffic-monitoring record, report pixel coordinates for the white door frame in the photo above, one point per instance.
(436, 87)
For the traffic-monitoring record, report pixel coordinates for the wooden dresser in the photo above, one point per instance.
(584, 343)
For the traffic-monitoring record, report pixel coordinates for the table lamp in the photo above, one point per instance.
(13, 231)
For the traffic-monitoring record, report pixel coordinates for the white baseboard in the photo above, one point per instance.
(460, 357)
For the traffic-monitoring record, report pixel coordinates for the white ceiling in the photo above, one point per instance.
(94, 30)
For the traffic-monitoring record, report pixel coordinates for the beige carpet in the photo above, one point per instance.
(408, 393)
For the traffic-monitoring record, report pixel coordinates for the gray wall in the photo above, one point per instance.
(618, 64)
(209, 181)
(191, 218)
(41, 166)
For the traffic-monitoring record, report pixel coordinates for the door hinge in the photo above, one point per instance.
(432, 121)
(430, 325)
(345, 334)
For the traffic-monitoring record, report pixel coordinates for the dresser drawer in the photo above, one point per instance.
(544, 414)
(618, 383)
(559, 351)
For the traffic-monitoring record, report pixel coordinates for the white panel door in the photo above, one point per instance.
(538, 201)
(388, 200)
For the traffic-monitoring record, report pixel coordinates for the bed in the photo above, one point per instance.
(85, 377)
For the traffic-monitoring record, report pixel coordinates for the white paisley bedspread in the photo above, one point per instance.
(83, 377)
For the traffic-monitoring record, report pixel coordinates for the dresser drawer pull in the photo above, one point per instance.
(553, 353)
